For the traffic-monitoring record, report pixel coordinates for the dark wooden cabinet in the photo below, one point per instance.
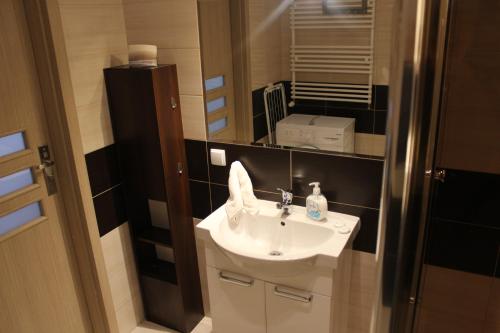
(147, 126)
(469, 136)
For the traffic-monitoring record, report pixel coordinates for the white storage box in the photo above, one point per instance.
(320, 132)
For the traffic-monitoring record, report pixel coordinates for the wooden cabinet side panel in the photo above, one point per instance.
(131, 104)
(168, 112)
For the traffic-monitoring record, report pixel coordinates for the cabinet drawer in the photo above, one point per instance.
(294, 311)
(236, 302)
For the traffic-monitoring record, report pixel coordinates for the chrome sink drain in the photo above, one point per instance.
(275, 253)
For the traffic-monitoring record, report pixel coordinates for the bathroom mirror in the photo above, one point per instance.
(308, 74)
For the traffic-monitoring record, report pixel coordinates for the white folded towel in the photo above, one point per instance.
(241, 195)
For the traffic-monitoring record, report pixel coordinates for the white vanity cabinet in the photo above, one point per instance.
(302, 286)
(239, 303)
(290, 310)
(236, 302)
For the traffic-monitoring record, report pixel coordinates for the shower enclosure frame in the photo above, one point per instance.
(418, 50)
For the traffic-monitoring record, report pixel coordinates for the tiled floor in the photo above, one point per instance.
(205, 326)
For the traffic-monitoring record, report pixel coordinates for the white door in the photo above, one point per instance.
(40, 287)
(236, 302)
(294, 311)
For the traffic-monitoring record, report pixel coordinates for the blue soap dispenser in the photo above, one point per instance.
(316, 204)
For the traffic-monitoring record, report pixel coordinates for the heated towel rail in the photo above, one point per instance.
(323, 70)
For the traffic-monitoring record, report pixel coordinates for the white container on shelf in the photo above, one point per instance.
(319, 132)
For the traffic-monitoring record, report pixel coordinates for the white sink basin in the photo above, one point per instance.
(268, 239)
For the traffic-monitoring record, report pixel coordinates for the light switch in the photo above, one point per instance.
(218, 157)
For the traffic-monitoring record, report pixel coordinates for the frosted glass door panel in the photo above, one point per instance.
(12, 143)
(217, 125)
(216, 104)
(15, 181)
(214, 83)
(19, 217)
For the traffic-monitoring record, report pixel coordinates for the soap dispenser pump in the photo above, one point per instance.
(316, 204)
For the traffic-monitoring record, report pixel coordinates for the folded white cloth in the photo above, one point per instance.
(241, 195)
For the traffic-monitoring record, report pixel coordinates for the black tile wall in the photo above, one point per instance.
(381, 97)
(102, 168)
(269, 168)
(105, 183)
(219, 193)
(470, 197)
(110, 210)
(380, 121)
(352, 185)
(196, 152)
(465, 228)
(348, 180)
(347, 105)
(260, 126)
(312, 107)
(497, 268)
(463, 247)
(367, 119)
(200, 199)
(259, 114)
(353, 182)
(366, 240)
(258, 102)
(268, 196)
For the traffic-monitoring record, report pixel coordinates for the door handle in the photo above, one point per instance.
(180, 169)
(235, 280)
(286, 293)
(47, 166)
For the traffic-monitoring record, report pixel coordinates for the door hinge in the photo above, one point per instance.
(437, 174)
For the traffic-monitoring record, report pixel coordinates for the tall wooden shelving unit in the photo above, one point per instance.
(147, 126)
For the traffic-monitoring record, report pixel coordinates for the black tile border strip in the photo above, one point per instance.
(301, 150)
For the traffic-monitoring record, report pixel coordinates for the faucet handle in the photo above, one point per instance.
(286, 196)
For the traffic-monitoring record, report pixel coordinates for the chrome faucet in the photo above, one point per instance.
(286, 203)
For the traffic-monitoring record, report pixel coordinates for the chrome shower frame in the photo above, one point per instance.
(414, 100)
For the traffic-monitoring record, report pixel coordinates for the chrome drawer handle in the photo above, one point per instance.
(233, 280)
(290, 295)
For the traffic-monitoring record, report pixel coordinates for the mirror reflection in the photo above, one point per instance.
(300, 73)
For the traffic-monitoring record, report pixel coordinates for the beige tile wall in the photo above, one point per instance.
(369, 144)
(95, 38)
(270, 41)
(267, 37)
(122, 274)
(172, 25)
(383, 34)
(459, 302)
(362, 292)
